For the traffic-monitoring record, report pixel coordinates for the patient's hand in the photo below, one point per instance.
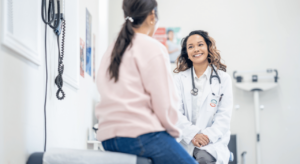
(200, 140)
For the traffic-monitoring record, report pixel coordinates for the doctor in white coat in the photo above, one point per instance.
(206, 102)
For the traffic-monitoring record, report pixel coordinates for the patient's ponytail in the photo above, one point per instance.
(135, 13)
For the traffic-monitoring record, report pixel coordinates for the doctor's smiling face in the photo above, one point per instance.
(197, 50)
(200, 49)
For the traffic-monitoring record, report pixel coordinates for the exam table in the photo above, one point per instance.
(68, 156)
(71, 156)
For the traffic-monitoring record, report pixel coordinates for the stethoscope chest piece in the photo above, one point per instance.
(194, 91)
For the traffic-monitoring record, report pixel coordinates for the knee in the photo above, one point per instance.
(201, 161)
(204, 161)
(203, 157)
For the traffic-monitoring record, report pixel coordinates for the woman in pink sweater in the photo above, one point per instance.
(138, 109)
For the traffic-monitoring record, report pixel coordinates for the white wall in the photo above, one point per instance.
(251, 35)
(22, 89)
(116, 19)
(1, 113)
(1, 104)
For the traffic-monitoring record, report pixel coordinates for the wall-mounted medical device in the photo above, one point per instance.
(261, 80)
(54, 18)
(256, 81)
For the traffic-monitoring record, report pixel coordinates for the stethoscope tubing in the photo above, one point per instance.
(194, 91)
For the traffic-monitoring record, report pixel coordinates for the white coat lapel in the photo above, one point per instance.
(187, 87)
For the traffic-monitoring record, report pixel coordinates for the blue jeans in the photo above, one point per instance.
(160, 147)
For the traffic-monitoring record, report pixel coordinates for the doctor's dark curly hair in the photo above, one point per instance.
(183, 62)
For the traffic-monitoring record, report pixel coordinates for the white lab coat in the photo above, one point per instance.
(212, 121)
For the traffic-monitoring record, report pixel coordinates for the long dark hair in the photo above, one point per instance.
(183, 62)
(138, 10)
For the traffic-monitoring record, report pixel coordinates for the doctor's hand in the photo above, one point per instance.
(196, 143)
(200, 140)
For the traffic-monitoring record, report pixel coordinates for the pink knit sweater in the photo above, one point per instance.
(144, 98)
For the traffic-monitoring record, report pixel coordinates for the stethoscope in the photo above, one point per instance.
(194, 91)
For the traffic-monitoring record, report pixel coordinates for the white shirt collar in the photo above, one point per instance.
(205, 74)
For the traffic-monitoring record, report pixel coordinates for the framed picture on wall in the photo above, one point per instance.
(173, 42)
(88, 66)
(160, 35)
(81, 57)
(171, 38)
